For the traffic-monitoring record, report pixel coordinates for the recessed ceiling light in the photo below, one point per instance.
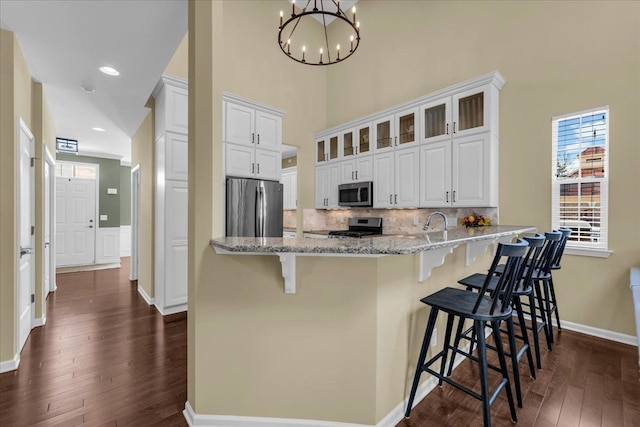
(110, 71)
(88, 89)
(98, 129)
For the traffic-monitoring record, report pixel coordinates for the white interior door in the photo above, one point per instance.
(26, 217)
(75, 221)
(135, 221)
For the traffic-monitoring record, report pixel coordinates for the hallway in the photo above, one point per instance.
(104, 358)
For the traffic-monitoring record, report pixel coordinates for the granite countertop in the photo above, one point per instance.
(381, 245)
(326, 232)
(288, 229)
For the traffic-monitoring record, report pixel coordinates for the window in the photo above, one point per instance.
(76, 170)
(580, 178)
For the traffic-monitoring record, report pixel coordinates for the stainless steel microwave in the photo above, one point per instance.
(358, 194)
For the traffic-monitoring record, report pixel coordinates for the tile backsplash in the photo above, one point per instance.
(394, 221)
(289, 218)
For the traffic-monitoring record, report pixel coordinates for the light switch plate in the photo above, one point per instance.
(103, 217)
(112, 191)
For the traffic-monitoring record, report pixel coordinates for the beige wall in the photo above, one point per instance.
(179, 64)
(142, 155)
(555, 62)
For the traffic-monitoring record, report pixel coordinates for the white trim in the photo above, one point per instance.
(390, 420)
(86, 267)
(98, 154)
(52, 219)
(135, 221)
(145, 296)
(597, 332)
(125, 162)
(178, 82)
(10, 365)
(107, 245)
(226, 96)
(125, 241)
(598, 253)
(165, 311)
(40, 321)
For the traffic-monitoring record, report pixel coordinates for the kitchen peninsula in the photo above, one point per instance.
(343, 348)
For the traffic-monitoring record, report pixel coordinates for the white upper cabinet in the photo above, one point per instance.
(397, 130)
(289, 188)
(239, 124)
(328, 148)
(440, 150)
(268, 130)
(171, 105)
(252, 137)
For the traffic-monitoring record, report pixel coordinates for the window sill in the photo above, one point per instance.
(597, 253)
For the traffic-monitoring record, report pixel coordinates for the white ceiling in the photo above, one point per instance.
(64, 43)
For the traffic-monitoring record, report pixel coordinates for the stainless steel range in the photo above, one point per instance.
(360, 227)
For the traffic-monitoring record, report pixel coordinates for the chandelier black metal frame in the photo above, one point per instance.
(285, 43)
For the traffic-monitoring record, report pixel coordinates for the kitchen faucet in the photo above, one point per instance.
(444, 217)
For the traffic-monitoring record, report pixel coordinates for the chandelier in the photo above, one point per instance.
(297, 50)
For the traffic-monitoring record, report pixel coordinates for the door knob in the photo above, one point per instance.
(89, 226)
(25, 251)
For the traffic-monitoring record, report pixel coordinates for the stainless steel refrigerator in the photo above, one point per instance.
(254, 208)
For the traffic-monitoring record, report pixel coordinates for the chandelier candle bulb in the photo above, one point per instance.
(354, 13)
(338, 50)
(293, 7)
(281, 15)
(351, 44)
(304, 48)
(289, 46)
(321, 55)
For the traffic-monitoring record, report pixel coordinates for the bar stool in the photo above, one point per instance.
(482, 309)
(552, 305)
(523, 288)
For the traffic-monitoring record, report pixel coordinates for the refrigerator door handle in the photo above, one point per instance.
(257, 213)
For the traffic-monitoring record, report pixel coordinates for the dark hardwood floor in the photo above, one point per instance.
(584, 381)
(105, 358)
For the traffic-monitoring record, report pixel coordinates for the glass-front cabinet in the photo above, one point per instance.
(398, 130)
(364, 136)
(464, 113)
(349, 148)
(321, 150)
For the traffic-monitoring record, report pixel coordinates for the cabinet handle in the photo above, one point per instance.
(447, 128)
(258, 171)
(253, 138)
(454, 196)
(258, 138)
(253, 167)
(447, 194)
(326, 202)
(356, 175)
(351, 175)
(454, 127)
(396, 202)
(390, 142)
(396, 141)
(356, 150)
(390, 199)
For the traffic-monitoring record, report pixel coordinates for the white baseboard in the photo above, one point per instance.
(87, 267)
(10, 365)
(145, 295)
(171, 310)
(40, 321)
(390, 420)
(597, 332)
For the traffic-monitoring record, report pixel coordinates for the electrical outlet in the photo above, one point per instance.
(452, 220)
(434, 338)
(341, 220)
(416, 220)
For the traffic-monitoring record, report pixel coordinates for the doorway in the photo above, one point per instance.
(26, 234)
(76, 207)
(135, 221)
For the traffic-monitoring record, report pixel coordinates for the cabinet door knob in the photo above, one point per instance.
(454, 127)
(447, 128)
(454, 196)
(447, 194)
